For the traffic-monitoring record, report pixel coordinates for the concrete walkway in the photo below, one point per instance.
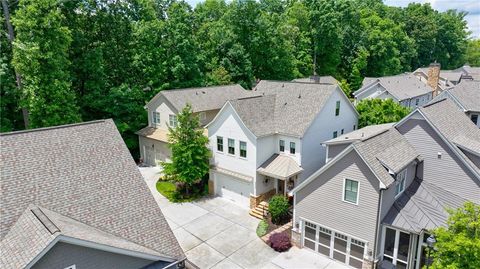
(217, 233)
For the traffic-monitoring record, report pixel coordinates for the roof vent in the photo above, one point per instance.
(203, 92)
(285, 104)
(283, 85)
(299, 96)
(363, 134)
(346, 137)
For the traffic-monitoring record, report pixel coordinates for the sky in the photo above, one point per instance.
(470, 6)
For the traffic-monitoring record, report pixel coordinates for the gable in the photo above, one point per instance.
(228, 121)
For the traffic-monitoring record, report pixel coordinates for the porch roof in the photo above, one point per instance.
(154, 133)
(422, 206)
(279, 166)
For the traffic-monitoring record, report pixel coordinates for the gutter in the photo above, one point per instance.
(377, 228)
(180, 264)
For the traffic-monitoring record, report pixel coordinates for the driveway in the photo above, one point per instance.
(217, 233)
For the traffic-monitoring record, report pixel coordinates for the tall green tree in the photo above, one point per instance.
(378, 111)
(41, 56)
(473, 52)
(190, 155)
(458, 244)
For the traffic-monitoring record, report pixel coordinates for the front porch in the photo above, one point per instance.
(284, 170)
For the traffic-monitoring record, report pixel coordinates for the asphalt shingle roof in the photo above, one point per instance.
(203, 98)
(467, 93)
(422, 206)
(387, 150)
(361, 134)
(282, 107)
(322, 79)
(83, 172)
(403, 86)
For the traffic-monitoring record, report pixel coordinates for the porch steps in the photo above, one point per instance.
(258, 212)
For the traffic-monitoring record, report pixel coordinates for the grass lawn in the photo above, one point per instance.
(168, 190)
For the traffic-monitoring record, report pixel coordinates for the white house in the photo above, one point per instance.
(162, 114)
(270, 142)
(404, 89)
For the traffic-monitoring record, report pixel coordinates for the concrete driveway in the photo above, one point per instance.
(217, 233)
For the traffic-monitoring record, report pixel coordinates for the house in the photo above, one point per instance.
(163, 110)
(441, 80)
(318, 79)
(405, 89)
(466, 95)
(384, 187)
(72, 197)
(470, 72)
(270, 142)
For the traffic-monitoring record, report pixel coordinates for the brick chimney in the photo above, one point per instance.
(433, 77)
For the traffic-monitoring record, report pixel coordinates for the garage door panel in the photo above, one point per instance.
(339, 256)
(309, 244)
(356, 251)
(355, 263)
(233, 189)
(310, 233)
(324, 250)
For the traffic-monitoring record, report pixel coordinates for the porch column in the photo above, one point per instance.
(285, 187)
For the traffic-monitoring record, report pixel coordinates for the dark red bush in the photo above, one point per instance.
(280, 242)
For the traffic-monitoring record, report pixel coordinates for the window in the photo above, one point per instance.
(337, 108)
(416, 102)
(350, 193)
(474, 118)
(172, 121)
(354, 127)
(243, 149)
(292, 147)
(341, 132)
(220, 143)
(155, 117)
(335, 134)
(281, 143)
(400, 182)
(231, 146)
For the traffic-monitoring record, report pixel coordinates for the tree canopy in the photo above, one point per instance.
(378, 111)
(458, 244)
(93, 59)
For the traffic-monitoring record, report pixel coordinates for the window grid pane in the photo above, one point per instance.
(282, 145)
(220, 143)
(292, 147)
(231, 146)
(243, 149)
(351, 191)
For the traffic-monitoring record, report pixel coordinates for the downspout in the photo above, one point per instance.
(377, 228)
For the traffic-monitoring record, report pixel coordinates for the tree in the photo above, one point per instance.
(458, 244)
(190, 155)
(473, 52)
(41, 56)
(378, 111)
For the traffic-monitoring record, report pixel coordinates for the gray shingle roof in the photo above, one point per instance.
(84, 172)
(450, 75)
(203, 98)
(322, 80)
(422, 207)
(467, 93)
(387, 150)
(280, 166)
(403, 86)
(282, 107)
(361, 134)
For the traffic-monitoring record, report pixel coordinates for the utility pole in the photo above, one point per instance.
(11, 37)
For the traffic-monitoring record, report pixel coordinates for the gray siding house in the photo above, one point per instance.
(72, 197)
(384, 187)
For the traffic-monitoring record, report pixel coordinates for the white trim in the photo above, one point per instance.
(405, 170)
(358, 191)
(236, 114)
(42, 253)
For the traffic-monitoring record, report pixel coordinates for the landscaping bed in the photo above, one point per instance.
(276, 233)
(175, 193)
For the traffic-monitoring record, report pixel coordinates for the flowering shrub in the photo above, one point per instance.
(280, 242)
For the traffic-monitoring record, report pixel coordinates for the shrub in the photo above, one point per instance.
(280, 242)
(278, 208)
(262, 228)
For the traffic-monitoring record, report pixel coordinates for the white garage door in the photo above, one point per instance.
(233, 189)
(333, 244)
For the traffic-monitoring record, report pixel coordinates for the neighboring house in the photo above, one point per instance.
(445, 79)
(384, 187)
(269, 143)
(405, 89)
(470, 72)
(318, 79)
(72, 197)
(466, 96)
(163, 110)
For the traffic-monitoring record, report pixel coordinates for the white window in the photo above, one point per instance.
(231, 146)
(337, 108)
(292, 147)
(416, 102)
(243, 149)
(341, 132)
(281, 144)
(155, 117)
(172, 121)
(350, 191)
(400, 182)
(220, 143)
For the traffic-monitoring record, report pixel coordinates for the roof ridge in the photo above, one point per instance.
(297, 82)
(433, 103)
(54, 127)
(201, 87)
(45, 220)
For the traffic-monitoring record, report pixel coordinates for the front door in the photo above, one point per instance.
(396, 247)
(280, 187)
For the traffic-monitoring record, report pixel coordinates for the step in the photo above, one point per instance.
(256, 214)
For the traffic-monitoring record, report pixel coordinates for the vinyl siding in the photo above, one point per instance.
(160, 150)
(447, 172)
(63, 255)
(334, 150)
(321, 201)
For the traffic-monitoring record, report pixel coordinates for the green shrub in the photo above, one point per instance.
(262, 228)
(278, 208)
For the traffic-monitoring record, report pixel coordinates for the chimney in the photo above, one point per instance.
(433, 77)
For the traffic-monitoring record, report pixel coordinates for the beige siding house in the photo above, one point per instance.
(163, 110)
(384, 187)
